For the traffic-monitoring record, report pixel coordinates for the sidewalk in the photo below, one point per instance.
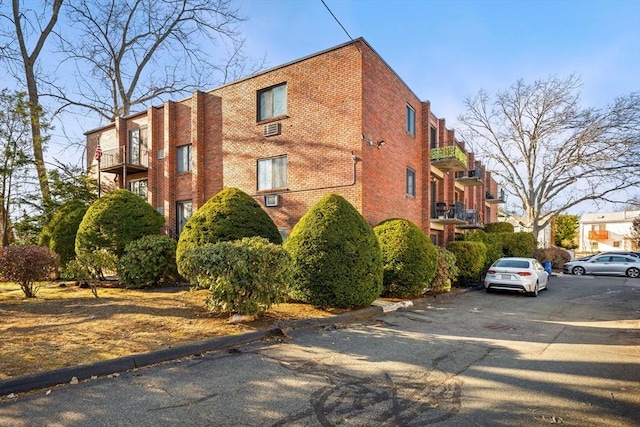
(134, 361)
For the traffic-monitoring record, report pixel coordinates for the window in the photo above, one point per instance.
(411, 120)
(272, 102)
(616, 244)
(411, 182)
(433, 137)
(272, 173)
(139, 188)
(184, 158)
(137, 150)
(183, 213)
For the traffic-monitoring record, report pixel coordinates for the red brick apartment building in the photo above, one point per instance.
(338, 121)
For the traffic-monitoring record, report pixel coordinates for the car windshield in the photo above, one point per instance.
(512, 263)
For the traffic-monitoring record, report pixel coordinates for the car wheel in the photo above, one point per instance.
(535, 291)
(578, 271)
(633, 272)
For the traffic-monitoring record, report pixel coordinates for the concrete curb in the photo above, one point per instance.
(65, 375)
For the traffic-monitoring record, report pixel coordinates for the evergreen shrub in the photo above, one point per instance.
(446, 272)
(470, 259)
(59, 234)
(521, 244)
(409, 258)
(335, 255)
(229, 215)
(244, 276)
(148, 261)
(498, 227)
(115, 220)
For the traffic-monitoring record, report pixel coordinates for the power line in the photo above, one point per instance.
(334, 17)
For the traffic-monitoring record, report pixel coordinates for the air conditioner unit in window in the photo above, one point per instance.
(272, 129)
(271, 200)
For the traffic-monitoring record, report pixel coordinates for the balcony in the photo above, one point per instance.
(471, 178)
(492, 198)
(119, 161)
(449, 159)
(598, 235)
(449, 213)
(472, 217)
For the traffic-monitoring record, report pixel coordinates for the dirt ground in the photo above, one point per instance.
(67, 326)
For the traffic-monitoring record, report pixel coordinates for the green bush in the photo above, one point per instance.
(59, 234)
(229, 215)
(91, 265)
(148, 261)
(470, 259)
(498, 227)
(521, 244)
(113, 221)
(409, 258)
(244, 276)
(446, 272)
(26, 266)
(335, 255)
(493, 242)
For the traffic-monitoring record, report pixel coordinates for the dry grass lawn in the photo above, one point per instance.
(67, 326)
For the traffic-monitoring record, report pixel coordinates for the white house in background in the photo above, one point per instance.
(609, 231)
(544, 238)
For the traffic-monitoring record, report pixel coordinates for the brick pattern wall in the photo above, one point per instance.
(333, 99)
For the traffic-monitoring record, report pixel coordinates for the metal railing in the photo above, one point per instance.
(447, 153)
(120, 156)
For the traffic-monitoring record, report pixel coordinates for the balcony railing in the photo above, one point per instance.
(598, 235)
(115, 160)
(499, 197)
(449, 159)
(471, 178)
(472, 218)
(445, 213)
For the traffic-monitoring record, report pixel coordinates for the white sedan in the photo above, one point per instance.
(525, 275)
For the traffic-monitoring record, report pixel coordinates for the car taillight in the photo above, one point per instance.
(491, 272)
(524, 273)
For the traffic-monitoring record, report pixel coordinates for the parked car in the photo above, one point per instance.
(605, 264)
(525, 275)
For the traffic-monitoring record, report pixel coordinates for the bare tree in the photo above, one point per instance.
(30, 29)
(130, 53)
(551, 154)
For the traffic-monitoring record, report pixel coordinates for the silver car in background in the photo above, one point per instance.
(622, 265)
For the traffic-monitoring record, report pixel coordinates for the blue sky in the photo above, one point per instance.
(447, 50)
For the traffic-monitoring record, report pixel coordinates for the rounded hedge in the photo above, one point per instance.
(115, 220)
(148, 261)
(245, 276)
(229, 215)
(59, 234)
(336, 258)
(409, 258)
(498, 227)
(470, 259)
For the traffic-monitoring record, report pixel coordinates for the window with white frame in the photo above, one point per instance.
(411, 120)
(411, 182)
(184, 158)
(272, 102)
(272, 173)
(183, 213)
(139, 187)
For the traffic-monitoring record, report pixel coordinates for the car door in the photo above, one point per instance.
(619, 264)
(597, 265)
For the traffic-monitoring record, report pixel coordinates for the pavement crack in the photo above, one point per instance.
(187, 404)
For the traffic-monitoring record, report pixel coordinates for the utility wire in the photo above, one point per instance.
(334, 17)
